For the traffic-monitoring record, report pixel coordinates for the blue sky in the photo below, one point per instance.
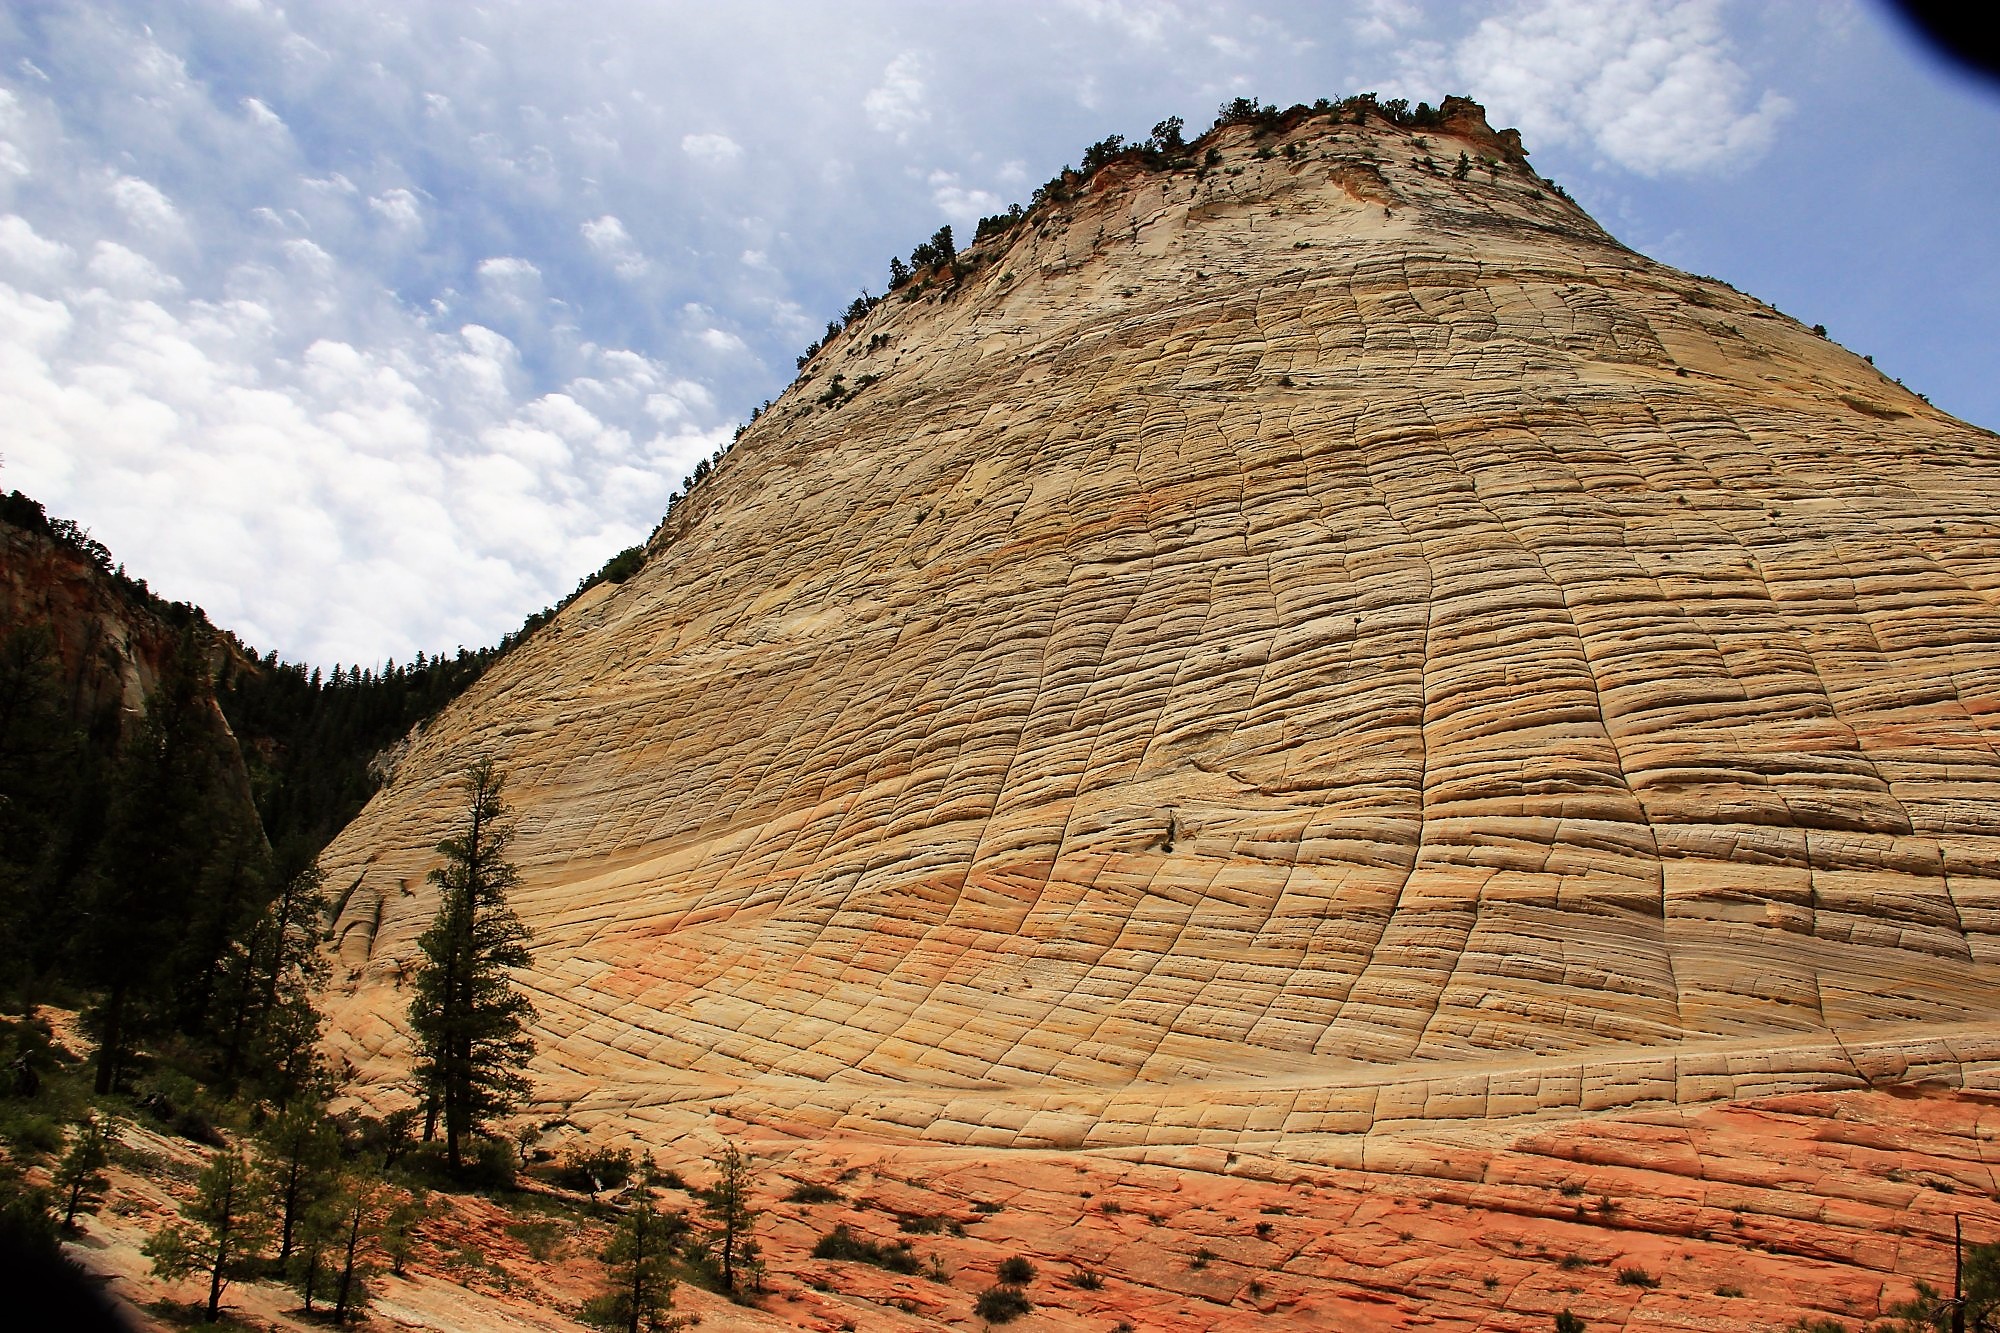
(372, 327)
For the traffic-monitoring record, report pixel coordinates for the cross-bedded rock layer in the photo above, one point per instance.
(1309, 647)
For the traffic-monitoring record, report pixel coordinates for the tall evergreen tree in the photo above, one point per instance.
(268, 1024)
(468, 1020)
(45, 777)
(155, 848)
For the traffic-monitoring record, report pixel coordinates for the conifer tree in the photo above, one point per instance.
(272, 975)
(468, 1021)
(639, 1290)
(339, 1238)
(154, 849)
(224, 1231)
(301, 1157)
(80, 1175)
(728, 1244)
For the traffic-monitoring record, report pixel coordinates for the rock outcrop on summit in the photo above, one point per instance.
(1259, 657)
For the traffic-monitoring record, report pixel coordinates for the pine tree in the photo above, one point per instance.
(468, 1021)
(268, 987)
(226, 1229)
(154, 850)
(301, 1157)
(639, 1290)
(80, 1175)
(338, 1242)
(728, 1244)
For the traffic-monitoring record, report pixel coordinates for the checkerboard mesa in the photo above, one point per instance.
(1304, 641)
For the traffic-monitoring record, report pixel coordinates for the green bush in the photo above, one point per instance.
(809, 1192)
(592, 1169)
(1002, 1305)
(843, 1246)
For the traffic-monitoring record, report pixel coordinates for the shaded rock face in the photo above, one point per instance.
(109, 649)
(1252, 659)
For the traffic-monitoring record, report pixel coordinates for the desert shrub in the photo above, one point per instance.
(1636, 1277)
(542, 1237)
(1002, 1305)
(1016, 1271)
(594, 1169)
(843, 1246)
(811, 1192)
(1085, 1279)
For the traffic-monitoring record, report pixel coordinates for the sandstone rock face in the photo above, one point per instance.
(1314, 650)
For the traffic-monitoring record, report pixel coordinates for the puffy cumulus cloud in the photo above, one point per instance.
(144, 205)
(341, 502)
(711, 147)
(959, 203)
(899, 104)
(1654, 85)
(399, 208)
(608, 237)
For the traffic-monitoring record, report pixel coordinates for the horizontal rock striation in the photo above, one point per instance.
(1324, 643)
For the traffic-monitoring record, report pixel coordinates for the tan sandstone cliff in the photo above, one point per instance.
(1281, 661)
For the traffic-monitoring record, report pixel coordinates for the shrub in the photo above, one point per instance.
(542, 1237)
(811, 1192)
(1569, 1323)
(1085, 1279)
(1016, 1271)
(843, 1246)
(1636, 1277)
(1002, 1305)
(1103, 152)
(1201, 1258)
(593, 1169)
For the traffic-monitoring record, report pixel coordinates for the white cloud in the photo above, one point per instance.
(29, 253)
(961, 204)
(608, 237)
(128, 271)
(1377, 21)
(262, 115)
(399, 208)
(711, 147)
(144, 206)
(1653, 84)
(1144, 21)
(723, 341)
(898, 104)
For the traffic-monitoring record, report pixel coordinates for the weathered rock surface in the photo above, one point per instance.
(1288, 660)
